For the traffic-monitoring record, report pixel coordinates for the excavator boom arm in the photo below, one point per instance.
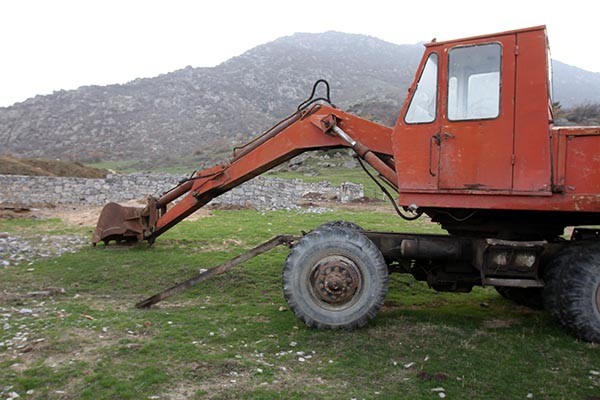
(319, 127)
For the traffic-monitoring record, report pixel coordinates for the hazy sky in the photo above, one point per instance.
(59, 44)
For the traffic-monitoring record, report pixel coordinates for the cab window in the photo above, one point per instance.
(474, 82)
(422, 108)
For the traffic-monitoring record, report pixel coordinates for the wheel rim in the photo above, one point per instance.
(335, 282)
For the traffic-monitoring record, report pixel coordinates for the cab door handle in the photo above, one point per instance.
(437, 139)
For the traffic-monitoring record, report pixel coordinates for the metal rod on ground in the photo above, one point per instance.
(266, 246)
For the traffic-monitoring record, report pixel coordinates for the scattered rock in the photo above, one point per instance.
(15, 250)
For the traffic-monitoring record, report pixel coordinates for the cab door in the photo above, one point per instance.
(476, 136)
(416, 147)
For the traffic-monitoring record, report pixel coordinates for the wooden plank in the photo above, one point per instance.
(260, 249)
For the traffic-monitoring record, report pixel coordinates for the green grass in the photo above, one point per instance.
(227, 339)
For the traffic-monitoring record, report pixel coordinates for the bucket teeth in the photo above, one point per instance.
(118, 223)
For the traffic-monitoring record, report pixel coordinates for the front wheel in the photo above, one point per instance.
(335, 278)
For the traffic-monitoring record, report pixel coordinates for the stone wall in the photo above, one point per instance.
(261, 192)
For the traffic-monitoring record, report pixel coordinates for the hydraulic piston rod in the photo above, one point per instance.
(366, 154)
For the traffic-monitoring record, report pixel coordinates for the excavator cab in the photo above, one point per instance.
(476, 118)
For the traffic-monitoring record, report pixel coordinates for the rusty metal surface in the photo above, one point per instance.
(510, 162)
(287, 240)
(335, 280)
(305, 134)
(118, 223)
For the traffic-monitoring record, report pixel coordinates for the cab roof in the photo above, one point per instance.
(490, 35)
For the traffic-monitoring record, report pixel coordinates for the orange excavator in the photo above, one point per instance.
(475, 149)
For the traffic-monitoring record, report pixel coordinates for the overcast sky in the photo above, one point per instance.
(59, 44)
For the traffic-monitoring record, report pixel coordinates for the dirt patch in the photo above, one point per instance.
(71, 215)
(366, 200)
(499, 323)
(426, 376)
(77, 215)
(44, 167)
(14, 211)
(244, 380)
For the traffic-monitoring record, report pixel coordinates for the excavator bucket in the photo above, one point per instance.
(118, 223)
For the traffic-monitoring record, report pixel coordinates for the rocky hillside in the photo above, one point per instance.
(205, 111)
(44, 167)
(574, 86)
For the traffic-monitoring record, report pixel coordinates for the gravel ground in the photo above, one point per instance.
(16, 250)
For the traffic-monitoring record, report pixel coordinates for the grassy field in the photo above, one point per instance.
(233, 338)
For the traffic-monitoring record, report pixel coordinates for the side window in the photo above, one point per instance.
(423, 104)
(474, 82)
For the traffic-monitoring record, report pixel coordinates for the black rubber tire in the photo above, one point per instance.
(528, 297)
(323, 244)
(340, 224)
(579, 291)
(552, 275)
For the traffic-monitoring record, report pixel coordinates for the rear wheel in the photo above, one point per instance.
(335, 278)
(553, 285)
(528, 297)
(572, 291)
(580, 293)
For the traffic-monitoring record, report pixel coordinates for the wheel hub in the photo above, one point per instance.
(335, 280)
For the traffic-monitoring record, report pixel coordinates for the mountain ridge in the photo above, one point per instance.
(207, 110)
